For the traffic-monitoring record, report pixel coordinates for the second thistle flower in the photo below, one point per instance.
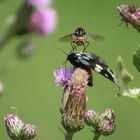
(75, 106)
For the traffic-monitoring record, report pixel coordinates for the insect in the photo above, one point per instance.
(88, 61)
(79, 38)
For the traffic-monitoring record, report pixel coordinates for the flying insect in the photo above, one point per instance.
(79, 38)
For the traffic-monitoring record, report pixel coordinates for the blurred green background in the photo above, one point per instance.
(29, 84)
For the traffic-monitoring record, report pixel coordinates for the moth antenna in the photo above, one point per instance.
(61, 50)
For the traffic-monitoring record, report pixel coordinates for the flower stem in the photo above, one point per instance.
(69, 136)
(96, 136)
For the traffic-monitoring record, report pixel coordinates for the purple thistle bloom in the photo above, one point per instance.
(43, 21)
(63, 76)
(38, 3)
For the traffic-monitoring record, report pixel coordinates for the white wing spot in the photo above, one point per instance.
(97, 69)
(106, 75)
(111, 73)
(86, 58)
(98, 66)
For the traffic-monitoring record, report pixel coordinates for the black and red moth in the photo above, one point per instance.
(88, 61)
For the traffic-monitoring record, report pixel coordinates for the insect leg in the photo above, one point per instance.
(73, 46)
(85, 46)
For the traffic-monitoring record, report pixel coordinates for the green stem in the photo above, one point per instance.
(96, 136)
(69, 136)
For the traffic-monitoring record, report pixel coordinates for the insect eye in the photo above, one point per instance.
(76, 33)
(83, 33)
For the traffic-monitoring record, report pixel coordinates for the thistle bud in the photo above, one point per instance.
(13, 125)
(28, 131)
(102, 124)
(91, 117)
(108, 114)
(106, 124)
(106, 127)
(73, 113)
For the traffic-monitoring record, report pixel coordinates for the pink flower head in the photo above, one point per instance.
(130, 14)
(38, 3)
(43, 21)
(63, 76)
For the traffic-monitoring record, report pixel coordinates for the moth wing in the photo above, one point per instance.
(96, 63)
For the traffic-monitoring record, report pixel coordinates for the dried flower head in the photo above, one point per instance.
(13, 126)
(43, 21)
(79, 77)
(73, 113)
(28, 131)
(130, 14)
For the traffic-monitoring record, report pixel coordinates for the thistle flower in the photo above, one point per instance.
(63, 77)
(130, 14)
(73, 113)
(28, 131)
(14, 126)
(38, 3)
(43, 21)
